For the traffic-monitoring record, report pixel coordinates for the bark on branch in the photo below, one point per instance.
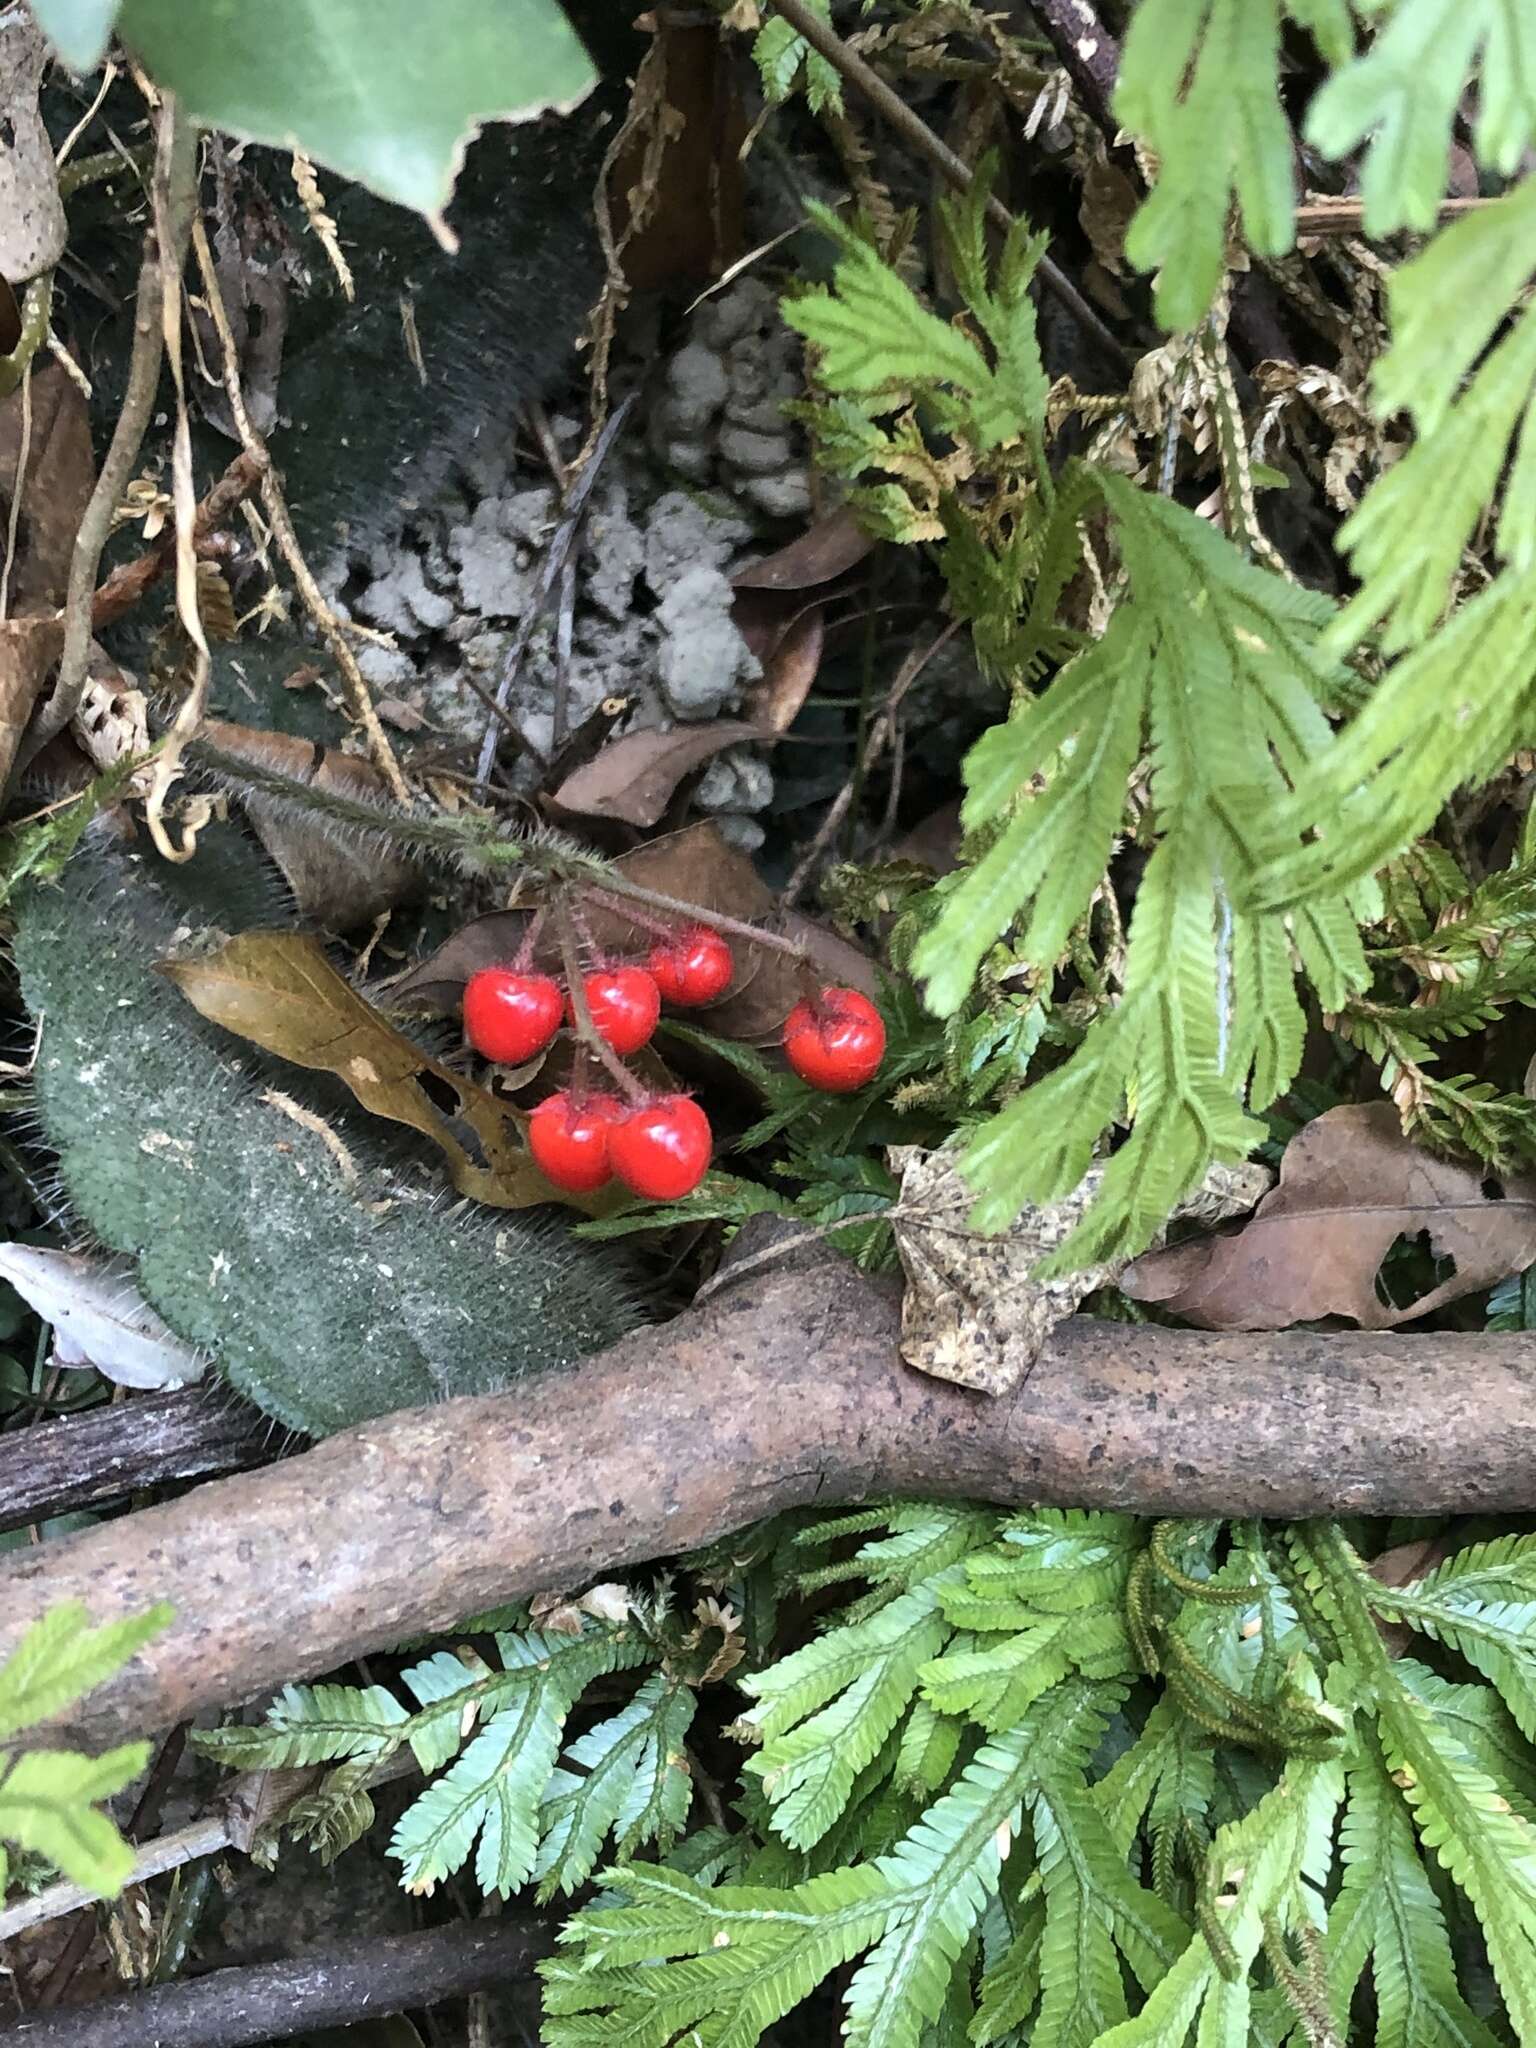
(784, 1389)
(317, 1988)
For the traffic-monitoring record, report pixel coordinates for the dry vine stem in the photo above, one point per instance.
(175, 175)
(784, 1392)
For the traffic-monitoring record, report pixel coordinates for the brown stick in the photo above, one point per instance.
(85, 1461)
(128, 583)
(782, 1391)
(318, 1988)
(909, 124)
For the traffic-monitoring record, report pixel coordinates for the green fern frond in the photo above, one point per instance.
(313, 1724)
(1200, 82)
(635, 1783)
(824, 1712)
(63, 1656)
(1386, 1914)
(1404, 90)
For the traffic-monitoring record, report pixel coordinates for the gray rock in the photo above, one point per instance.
(682, 534)
(757, 454)
(703, 660)
(697, 387)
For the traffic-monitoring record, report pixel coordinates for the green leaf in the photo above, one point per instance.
(384, 91)
(634, 1782)
(48, 1805)
(825, 1711)
(312, 1724)
(1386, 1913)
(78, 29)
(1199, 80)
(63, 1656)
(1404, 89)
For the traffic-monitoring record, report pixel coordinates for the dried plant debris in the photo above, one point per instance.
(974, 1311)
(99, 1318)
(1350, 1186)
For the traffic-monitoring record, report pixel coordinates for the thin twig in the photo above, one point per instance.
(175, 191)
(554, 561)
(734, 927)
(13, 524)
(911, 125)
(120, 460)
(360, 699)
(587, 1033)
(879, 734)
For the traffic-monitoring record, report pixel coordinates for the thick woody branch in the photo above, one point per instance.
(87, 1461)
(317, 1988)
(783, 1390)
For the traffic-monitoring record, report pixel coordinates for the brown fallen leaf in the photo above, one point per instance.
(633, 778)
(279, 990)
(973, 1311)
(28, 649)
(821, 554)
(789, 669)
(1350, 1185)
(60, 476)
(335, 881)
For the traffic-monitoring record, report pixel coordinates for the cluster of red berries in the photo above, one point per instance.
(658, 1146)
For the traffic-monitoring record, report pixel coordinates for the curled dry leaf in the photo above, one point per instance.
(1350, 1185)
(821, 554)
(633, 778)
(973, 1311)
(99, 1317)
(337, 881)
(279, 990)
(789, 669)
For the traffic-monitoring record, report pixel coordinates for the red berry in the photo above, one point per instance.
(568, 1137)
(509, 1015)
(837, 1042)
(625, 1004)
(661, 1150)
(693, 969)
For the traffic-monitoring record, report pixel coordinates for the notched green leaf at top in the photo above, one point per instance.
(388, 92)
(78, 29)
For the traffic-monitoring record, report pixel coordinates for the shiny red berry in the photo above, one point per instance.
(568, 1137)
(625, 1004)
(661, 1150)
(510, 1015)
(837, 1042)
(693, 969)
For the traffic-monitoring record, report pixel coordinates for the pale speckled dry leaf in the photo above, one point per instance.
(99, 1317)
(279, 990)
(1350, 1185)
(33, 229)
(972, 1312)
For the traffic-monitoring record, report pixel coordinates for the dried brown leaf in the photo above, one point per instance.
(335, 881)
(973, 1312)
(633, 778)
(822, 553)
(28, 649)
(279, 990)
(60, 476)
(1350, 1185)
(789, 671)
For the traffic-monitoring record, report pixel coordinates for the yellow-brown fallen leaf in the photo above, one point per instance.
(1350, 1185)
(279, 990)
